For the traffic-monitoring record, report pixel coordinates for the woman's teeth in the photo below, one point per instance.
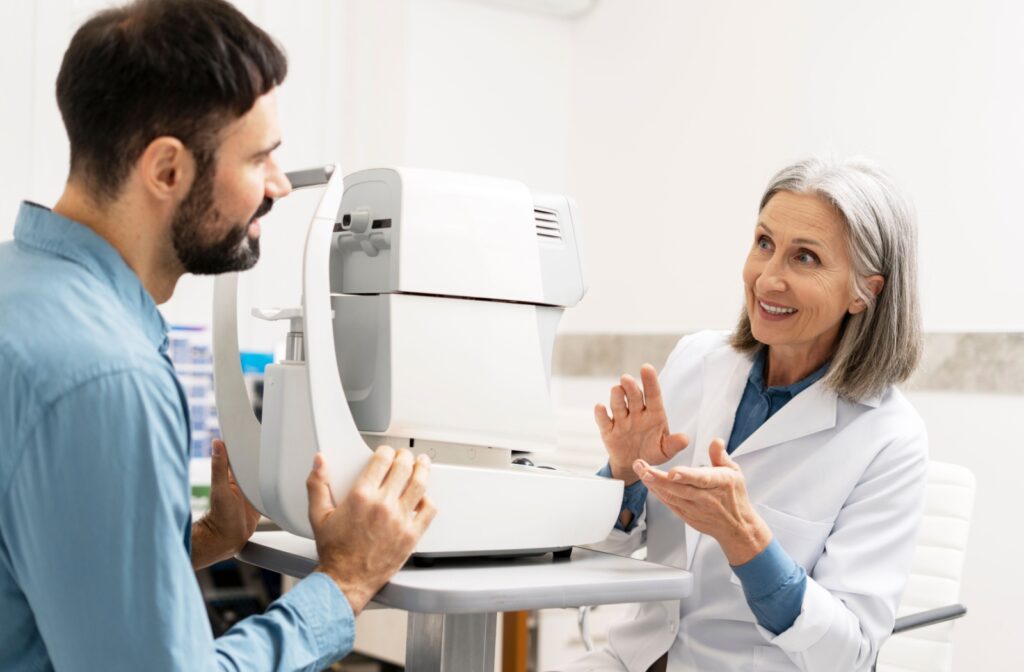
(775, 310)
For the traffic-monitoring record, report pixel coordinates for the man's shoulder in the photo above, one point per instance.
(63, 326)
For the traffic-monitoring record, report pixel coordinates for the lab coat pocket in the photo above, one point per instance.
(802, 539)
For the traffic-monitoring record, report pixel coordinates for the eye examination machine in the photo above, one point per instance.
(427, 320)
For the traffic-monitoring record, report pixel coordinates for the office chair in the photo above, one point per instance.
(933, 591)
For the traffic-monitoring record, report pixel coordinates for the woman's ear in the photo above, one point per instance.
(875, 284)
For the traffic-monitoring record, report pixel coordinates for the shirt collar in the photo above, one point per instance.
(45, 230)
(756, 377)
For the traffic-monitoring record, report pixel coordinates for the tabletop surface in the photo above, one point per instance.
(480, 585)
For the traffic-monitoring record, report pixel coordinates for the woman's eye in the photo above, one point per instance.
(806, 258)
(763, 243)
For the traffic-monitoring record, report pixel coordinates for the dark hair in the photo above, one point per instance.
(181, 68)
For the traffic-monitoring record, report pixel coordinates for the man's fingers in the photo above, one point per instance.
(318, 487)
(634, 395)
(618, 403)
(218, 464)
(604, 423)
(425, 513)
(652, 389)
(376, 470)
(398, 476)
(417, 487)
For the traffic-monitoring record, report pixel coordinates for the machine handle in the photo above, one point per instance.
(337, 437)
(238, 423)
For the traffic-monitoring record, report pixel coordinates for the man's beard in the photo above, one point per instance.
(235, 251)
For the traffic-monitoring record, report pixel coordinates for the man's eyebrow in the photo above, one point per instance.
(268, 150)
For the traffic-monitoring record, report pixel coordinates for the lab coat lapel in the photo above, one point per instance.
(811, 411)
(725, 375)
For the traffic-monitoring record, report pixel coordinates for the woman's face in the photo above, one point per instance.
(798, 276)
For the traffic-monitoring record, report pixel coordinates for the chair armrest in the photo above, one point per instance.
(930, 617)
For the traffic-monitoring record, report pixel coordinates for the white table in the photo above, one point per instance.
(453, 605)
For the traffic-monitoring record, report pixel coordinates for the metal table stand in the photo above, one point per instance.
(453, 606)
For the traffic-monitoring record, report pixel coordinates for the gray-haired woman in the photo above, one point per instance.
(797, 506)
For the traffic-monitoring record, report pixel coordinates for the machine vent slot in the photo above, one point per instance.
(547, 223)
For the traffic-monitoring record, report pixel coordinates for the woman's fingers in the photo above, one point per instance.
(634, 395)
(604, 423)
(652, 390)
(618, 403)
(673, 444)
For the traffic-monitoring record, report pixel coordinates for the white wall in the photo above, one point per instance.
(681, 111)
(664, 119)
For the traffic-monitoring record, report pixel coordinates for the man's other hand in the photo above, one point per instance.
(231, 520)
(367, 537)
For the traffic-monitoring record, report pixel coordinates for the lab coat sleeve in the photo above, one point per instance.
(96, 524)
(853, 591)
(625, 543)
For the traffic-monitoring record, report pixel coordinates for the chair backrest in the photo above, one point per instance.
(936, 573)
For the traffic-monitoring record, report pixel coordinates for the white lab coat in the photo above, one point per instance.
(840, 484)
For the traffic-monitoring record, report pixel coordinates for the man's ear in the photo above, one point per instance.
(166, 169)
(875, 284)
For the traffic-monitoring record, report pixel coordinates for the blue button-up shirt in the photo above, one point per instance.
(773, 583)
(95, 571)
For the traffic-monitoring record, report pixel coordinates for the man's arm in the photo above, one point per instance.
(96, 520)
(231, 520)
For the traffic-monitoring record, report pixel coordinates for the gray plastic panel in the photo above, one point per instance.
(467, 586)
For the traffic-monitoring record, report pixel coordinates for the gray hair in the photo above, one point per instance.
(880, 346)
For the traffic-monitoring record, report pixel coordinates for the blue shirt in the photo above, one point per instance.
(95, 527)
(773, 583)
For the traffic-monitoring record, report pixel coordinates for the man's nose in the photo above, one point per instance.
(278, 185)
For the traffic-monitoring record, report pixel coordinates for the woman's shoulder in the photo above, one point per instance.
(891, 418)
(692, 348)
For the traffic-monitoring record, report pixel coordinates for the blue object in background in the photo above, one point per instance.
(191, 353)
(255, 362)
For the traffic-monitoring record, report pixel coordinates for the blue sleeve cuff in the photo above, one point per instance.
(326, 611)
(634, 499)
(774, 585)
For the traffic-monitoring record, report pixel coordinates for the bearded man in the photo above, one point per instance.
(171, 115)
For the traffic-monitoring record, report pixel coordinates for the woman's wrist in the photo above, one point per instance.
(623, 473)
(749, 540)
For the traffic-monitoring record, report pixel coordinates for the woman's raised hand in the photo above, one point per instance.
(638, 426)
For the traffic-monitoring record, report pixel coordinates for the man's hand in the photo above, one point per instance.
(367, 537)
(713, 500)
(638, 426)
(231, 520)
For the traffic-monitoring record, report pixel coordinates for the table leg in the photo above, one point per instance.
(450, 642)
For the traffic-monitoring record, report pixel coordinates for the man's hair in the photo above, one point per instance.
(152, 68)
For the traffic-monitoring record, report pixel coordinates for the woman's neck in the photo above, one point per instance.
(784, 366)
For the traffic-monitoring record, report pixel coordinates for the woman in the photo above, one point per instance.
(797, 505)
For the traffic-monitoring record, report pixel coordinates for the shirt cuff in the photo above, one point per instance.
(328, 614)
(774, 585)
(634, 499)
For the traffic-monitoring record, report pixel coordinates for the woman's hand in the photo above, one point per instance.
(231, 520)
(638, 427)
(713, 500)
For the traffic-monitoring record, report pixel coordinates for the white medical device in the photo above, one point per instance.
(428, 316)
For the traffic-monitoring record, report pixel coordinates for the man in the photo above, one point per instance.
(170, 111)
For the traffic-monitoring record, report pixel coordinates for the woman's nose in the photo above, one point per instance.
(772, 277)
